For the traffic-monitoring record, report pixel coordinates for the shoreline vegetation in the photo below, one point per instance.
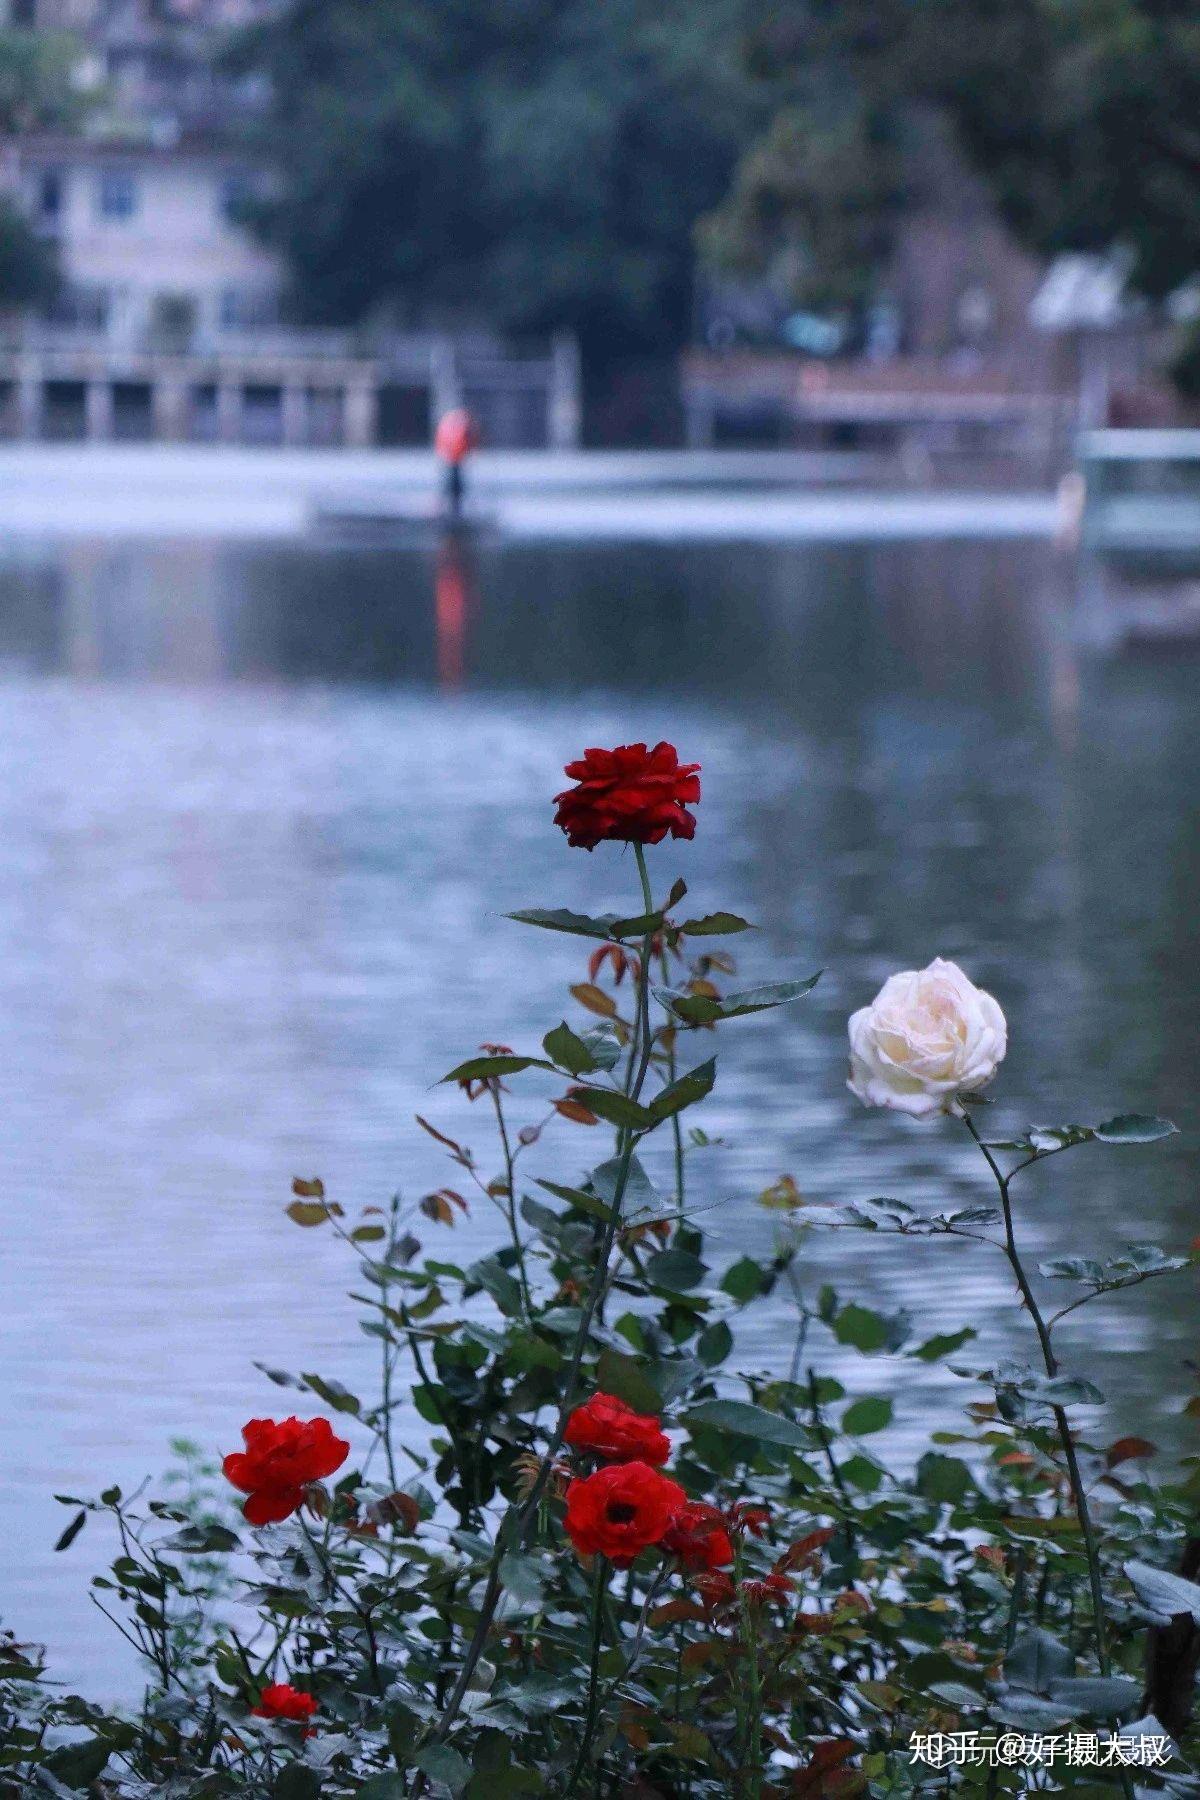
(624, 1568)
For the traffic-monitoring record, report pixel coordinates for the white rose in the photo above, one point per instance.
(928, 1035)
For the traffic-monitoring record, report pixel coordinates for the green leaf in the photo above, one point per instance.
(296, 1781)
(642, 925)
(1026, 1711)
(332, 1393)
(935, 1347)
(676, 1269)
(701, 1009)
(861, 1472)
(617, 1108)
(942, 1478)
(744, 1280)
(524, 1577)
(627, 1379)
(715, 924)
(442, 1762)
(495, 1280)
(570, 1052)
(382, 1787)
(685, 1092)
(207, 1538)
(957, 1694)
(748, 1421)
(78, 1765)
(602, 1047)
(72, 1531)
(577, 1197)
(485, 1068)
(858, 1326)
(1163, 1594)
(1097, 1694)
(559, 919)
(714, 1343)
(1134, 1128)
(1037, 1659)
(872, 1413)
(639, 1195)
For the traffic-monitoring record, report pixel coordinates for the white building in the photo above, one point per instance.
(152, 253)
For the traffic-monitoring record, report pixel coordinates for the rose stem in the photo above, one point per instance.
(519, 1518)
(1060, 1416)
(599, 1580)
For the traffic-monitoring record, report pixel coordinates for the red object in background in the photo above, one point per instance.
(453, 599)
(456, 436)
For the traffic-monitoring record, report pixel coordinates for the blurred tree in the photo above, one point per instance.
(39, 89)
(1081, 115)
(29, 274)
(541, 161)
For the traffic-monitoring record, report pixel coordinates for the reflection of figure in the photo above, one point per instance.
(454, 588)
(456, 436)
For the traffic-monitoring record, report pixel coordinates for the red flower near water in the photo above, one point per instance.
(620, 1511)
(279, 1462)
(698, 1538)
(609, 1429)
(632, 794)
(280, 1701)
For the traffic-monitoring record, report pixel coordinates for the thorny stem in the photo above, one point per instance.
(822, 1431)
(510, 1199)
(599, 1581)
(519, 1518)
(1060, 1417)
(676, 1123)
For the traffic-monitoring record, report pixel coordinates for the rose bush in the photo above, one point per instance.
(520, 1600)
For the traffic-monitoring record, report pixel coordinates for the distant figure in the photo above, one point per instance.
(456, 436)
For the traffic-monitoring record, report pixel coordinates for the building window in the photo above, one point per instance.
(116, 195)
(80, 306)
(248, 309)
(49, 195)
(236, 193)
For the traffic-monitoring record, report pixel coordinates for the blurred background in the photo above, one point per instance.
(835, 373)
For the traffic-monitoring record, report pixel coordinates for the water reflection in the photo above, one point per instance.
(265, 806)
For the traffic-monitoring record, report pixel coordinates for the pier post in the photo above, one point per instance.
(360, 415)
(229, 412)
(31, 402)
(98, 411)
(168, 400)
(294, 405)
(564, 410)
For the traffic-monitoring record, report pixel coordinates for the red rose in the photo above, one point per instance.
(631, 794)
(697, 1536)
(279, 1462)
(609, 1429)
(620, 1511)
(280, 1701)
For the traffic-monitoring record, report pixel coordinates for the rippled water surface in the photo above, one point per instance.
(263, 811)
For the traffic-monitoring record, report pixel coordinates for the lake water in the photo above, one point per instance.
(264, 807)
